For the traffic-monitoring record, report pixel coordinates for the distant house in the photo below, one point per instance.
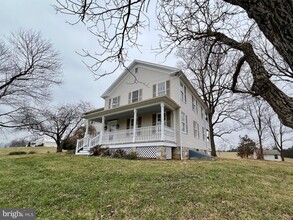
(160, 117)
(43, 142)
(272, 155)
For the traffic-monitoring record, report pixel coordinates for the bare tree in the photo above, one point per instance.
(55, 122)
(209, 70)
(257, 110)
(29, 66)
(279, 133)
(234, 23)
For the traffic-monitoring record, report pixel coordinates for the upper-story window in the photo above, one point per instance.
(161, 89)
(195, 129)
(114, 102)
(136, 70)
(202, 112)
(194, 104)
(184, 122)
(135, 96)
(204, 134)
(182, 92)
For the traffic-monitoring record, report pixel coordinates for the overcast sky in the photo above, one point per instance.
(79, 82)
(68, 39)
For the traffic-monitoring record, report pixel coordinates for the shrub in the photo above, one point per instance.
(106, 153)
(69, 143)
(131, 156)
(98, 150)
(32, 152)
(17, 153)
(119, 153)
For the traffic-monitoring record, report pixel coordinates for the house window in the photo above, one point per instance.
(202, 112)
(182, 92)
(135, 96)
(136, 70)
(183, 122)
(203, 134)
(194, 104)
(161, 89)
(196, 129)
(276, 157)
(114, 102)
(159, 118)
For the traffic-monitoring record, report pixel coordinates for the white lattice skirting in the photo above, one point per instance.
(151, 152)
(146, 152)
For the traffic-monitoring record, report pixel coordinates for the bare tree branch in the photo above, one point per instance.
(29, 67)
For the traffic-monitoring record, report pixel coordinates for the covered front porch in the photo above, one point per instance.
(146, 123)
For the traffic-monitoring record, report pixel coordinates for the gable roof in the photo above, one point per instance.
(127, 71)
(271, 152)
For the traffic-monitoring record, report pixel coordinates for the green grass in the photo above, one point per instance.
(64, 186)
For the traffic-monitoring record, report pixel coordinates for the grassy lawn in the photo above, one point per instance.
(62, 186)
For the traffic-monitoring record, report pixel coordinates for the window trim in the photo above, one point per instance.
(196, 130)
(202, 113)
(117, 104)
(183, 122)
(165, 89)
(110, 104)
(204, 137)
(183, 91)
(194, 104)
(139, 96)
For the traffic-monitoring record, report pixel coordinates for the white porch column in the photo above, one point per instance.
(86, 127)
(174, 124)
(174, 120)
(134, 124)
(162, 122)
(102, 131)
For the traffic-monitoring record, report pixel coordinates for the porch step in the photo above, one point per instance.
(83, 152)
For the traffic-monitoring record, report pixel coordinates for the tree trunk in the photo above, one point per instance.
(260, 154)
(212, 137)
(282, 154)
(59, 145)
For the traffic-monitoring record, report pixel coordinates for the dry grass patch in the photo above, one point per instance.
(38, 150)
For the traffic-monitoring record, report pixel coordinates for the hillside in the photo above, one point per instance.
(62, 186)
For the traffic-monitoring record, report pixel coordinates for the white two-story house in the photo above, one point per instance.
(150, 109)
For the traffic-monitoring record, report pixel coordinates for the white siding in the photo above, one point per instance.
(188, 139)
(272, 158)
(145, 79)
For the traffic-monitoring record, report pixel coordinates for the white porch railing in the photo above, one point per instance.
(82, 143)
(143, 134)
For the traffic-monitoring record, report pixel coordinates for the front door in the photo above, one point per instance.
(112, 125)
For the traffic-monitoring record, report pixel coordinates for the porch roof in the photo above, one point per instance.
(148, 105)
